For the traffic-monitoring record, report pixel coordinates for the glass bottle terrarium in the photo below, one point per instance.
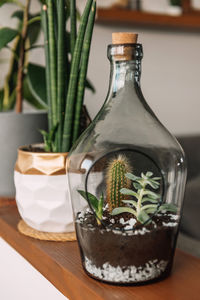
(127, 177)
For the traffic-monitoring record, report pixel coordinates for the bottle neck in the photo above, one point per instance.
(124, 72)
(125, 65)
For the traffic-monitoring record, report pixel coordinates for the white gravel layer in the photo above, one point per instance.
(132, 274)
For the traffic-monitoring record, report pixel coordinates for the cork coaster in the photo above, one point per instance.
(45, 236)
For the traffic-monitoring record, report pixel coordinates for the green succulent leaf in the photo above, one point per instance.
(143, 217)
(129, 192)
(168, 207)
(120, 210)
(151, 194)
(143, 176)
(137, 185)
(132, 202)
(6, 36)
(92, 199)
(149, 174)
(131, 176)
(147, 206)
(148, 199)
(151, 210)
(153, 184)
(100, 207)
(156, 178)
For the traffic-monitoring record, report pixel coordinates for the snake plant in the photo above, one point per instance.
(67, 55)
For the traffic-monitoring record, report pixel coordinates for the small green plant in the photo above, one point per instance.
(176, 2)
(147, 202)
(24, 39)
(96, 204)
(116, 179)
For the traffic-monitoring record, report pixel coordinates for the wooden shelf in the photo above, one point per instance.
(189, 21)
(60, 263)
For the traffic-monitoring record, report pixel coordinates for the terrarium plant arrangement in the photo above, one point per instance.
(17, 43)
(127, 177)
(64, 78)
(132, 220)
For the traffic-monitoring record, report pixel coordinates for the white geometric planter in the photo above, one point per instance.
(42, 194)
(43, 202)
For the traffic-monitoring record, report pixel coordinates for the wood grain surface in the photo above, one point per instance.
(60, 263)
(186, 21)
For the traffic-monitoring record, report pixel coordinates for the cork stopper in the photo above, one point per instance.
(124, 38)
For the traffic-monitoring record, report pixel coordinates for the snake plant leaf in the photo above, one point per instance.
(143, 217)
(6, 36)
(37, 83)
(49, 137)
(92, 199)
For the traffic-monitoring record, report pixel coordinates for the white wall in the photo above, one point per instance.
(170, 78)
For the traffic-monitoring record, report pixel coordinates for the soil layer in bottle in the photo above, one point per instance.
(123, 253)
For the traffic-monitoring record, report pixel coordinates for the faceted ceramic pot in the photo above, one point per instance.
(41, 192)
(127, 219)
(16, 130)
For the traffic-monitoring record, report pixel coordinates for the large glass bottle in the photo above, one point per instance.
(127, 177)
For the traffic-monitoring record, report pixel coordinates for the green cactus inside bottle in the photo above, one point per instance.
(116, 180)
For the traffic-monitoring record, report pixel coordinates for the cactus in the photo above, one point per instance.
(116, 180)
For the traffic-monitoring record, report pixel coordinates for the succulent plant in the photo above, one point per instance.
(116, 180)
(148, 202)
(96, 204)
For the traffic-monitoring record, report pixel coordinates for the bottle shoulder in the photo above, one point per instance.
(126, 120)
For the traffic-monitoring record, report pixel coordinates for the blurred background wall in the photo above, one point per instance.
(170, 71)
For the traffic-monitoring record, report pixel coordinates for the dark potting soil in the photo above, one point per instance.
(30, 148)
(121, 249)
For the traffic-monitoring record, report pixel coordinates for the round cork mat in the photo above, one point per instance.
(45, 236)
